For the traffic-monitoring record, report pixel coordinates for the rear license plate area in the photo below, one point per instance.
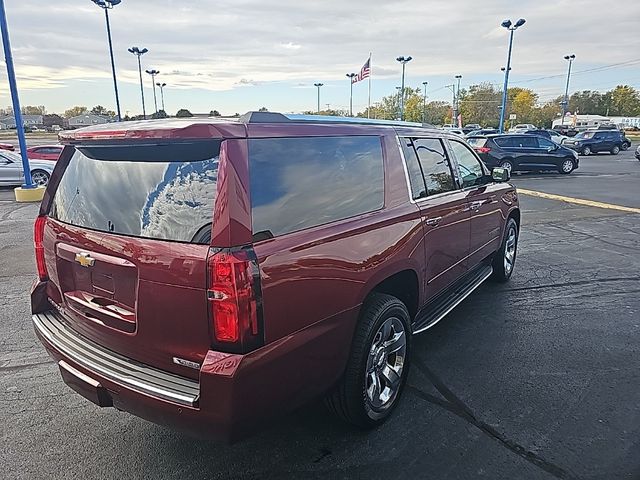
(85, 385)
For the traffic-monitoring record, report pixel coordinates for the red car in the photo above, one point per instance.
(210, 275)
(45, 152)
(7, 146)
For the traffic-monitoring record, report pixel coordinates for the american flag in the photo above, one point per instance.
(365, 71)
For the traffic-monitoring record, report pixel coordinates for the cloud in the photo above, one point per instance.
(218, 46)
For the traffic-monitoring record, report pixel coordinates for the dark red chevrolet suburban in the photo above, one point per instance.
(208, 275)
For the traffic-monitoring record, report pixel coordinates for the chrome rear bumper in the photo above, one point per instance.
(113, 366)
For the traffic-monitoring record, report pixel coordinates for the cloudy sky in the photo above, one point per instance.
(237, 55)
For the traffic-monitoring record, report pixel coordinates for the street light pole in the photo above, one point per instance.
(565, 103)
(153, 74)
(458, 77)
(424, 102)
(512, 28)
(351, 76)
(138, 53)
(162, 85)
(403, 61)
(452, 87)
(11, 74)
(318, 85)
(106, 5)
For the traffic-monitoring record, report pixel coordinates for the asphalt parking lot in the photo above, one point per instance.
(534, 379)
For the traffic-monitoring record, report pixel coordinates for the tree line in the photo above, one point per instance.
(481, 104)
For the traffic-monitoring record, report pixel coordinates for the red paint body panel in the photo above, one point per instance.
(37, 153)
(147, 299)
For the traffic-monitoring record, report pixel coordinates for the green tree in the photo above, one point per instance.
(214, 113)
(75, 111)
(183, 113)
(625, 101)
(33, 110)
(99, 110)
(159, 114)
(263, 109)
(480, 104)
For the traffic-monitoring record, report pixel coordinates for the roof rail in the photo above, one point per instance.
(274, 117)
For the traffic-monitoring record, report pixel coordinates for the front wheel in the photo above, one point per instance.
(586, 151)
(378, 364)
(505, 258)
(615, 150)
(566, 166)
(625, 146)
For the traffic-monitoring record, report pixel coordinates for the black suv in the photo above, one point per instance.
(522, 152)
(594, 141)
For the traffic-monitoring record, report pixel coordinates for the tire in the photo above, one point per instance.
(351, 398)
(567, 166)
(508, 165)
(625, 146)
(615, 150)
(40, 177)
(586, 151)
(502, 266)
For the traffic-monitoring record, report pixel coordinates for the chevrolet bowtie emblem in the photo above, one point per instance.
(84, 259)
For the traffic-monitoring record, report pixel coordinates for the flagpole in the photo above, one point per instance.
(370, 73)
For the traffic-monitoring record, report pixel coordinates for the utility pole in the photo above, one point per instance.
(403, 61)
(318, 85)
(351, 76)
(565, 103)
(424, 102)
(512, 28)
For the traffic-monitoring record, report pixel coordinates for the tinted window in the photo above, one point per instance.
(435, 165)
(525, 141)
(477, 142)
(505, 142)
(544, 143)
(163, 192)
(416, 178)
(298, 183)
(54, 150)
(468, 165)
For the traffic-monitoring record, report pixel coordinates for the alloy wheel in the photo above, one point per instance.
(510, 250)
(567, 166)
(507, 166)
(40, 178)
(385, 364)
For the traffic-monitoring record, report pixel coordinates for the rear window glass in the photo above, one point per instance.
(302, 182)
(165, 192)
(477, 142)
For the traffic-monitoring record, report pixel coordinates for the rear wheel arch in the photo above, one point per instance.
(403, 284)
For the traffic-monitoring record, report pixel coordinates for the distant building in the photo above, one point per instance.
(87, 120)
(582, 122)
(27, 121)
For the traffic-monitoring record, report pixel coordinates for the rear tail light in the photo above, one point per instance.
(38, 237)
(483, 149)
(234, 297)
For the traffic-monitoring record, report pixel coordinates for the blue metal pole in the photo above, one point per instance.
(506, 84)
(113, 65)
(11, 74)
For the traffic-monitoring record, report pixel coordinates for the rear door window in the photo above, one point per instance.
(302, 182)
(504, 142)
(434, 164)
(416, 177)
(165, 192)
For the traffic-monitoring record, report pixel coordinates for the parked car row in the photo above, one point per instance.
(595, 141)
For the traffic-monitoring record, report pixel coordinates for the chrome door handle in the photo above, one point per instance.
(476, 205)
(433, 221)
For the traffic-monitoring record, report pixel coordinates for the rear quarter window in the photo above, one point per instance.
(164, 192)
(302, 182)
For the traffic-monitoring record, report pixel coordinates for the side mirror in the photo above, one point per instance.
(552, 148)
(500, 175)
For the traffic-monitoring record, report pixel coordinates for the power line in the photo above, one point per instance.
(588, 70)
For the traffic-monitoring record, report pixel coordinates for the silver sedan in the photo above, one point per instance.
(11, 172)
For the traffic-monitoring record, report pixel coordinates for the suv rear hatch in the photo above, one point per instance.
(126, 240)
